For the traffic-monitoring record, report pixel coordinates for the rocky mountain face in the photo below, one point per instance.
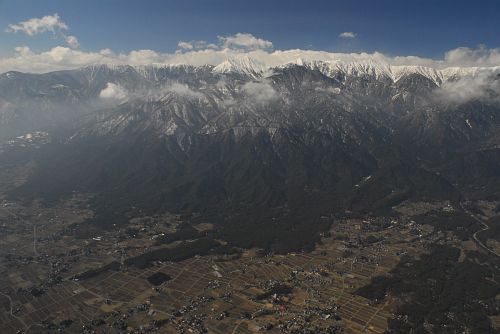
(255, 150)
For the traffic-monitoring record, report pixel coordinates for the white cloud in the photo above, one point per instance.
(137, 57)
(72, 41)
(196, 45)
(49, 23)
(185, 45)
(240, 41)
(480, 85)
(484, 86)
(481, 56)
(181, 89)
(57, 58)
(348, 34)
(113, 92)
(234, 46)
(260, 91)
(244, 40)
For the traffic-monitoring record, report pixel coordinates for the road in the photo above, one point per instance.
(12, 311)
(485, 228)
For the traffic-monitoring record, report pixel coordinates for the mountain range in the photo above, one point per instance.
(264, 153)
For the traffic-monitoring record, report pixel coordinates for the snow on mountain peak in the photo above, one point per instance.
(382, 70)
(241, 65)
(332, 68)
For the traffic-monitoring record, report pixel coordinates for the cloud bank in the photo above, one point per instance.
(481, 57)
(484, 86)
(61, 57)
(198, 52)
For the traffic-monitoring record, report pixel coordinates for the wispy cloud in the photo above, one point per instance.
(49, 23)
(185, 45)
(348, 34)
(239, 41)
(34, 26)
(328, 90)
(181, 89)
(260, 91)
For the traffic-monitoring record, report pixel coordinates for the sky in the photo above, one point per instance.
(43, 35)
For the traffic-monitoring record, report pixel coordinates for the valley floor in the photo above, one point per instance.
(43, 289)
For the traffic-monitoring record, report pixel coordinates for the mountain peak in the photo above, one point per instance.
(241, 65)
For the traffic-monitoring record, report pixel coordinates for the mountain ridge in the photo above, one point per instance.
(252, 67)
(287, 145)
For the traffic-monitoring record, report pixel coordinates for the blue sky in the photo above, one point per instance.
(423, 28)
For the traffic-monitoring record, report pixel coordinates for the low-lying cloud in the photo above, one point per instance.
(484, 86)
(113, 93)
(260, 91)
(181, 89)
(480, 57)
(328, 90)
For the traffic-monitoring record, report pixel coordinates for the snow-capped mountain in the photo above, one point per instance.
(240, 137)
(243, 65)
(30, 101)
